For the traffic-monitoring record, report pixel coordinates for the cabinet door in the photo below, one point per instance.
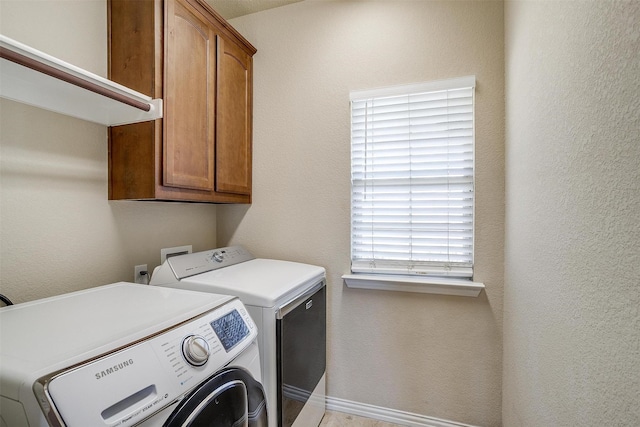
(234, 119)
(189, 120)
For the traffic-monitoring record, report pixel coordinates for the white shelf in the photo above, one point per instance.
(35, 78)
(420, 284)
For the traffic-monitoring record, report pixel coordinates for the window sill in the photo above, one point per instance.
(421, 284)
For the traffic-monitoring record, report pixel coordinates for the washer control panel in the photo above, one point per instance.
(129, 385)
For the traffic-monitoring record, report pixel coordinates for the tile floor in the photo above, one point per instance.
(339, 419)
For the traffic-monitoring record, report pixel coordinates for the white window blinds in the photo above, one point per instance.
(412, 156)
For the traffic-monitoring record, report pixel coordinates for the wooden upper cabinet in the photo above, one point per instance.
(183, 52)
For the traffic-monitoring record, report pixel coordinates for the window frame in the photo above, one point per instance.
(388, 275)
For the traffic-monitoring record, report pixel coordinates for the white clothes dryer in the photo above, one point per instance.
(130, 355)
(287, 300)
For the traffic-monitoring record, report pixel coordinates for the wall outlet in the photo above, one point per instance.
(141, 274)
(177, 250)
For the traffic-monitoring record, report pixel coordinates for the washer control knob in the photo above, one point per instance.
(217, 257)
(195, 350)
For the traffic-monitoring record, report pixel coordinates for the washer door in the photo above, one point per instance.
(230, 398)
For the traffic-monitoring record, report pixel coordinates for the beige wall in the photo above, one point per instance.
(434, 355)
(573, 197)
(58, 231)
(572, 265)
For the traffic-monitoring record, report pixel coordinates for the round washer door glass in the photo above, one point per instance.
(231, 398)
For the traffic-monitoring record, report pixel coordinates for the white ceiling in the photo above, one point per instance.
(233, 8)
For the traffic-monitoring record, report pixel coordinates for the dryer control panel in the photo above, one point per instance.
(131, 384)
(179, 267)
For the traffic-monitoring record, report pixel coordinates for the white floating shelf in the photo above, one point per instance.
(35, 78)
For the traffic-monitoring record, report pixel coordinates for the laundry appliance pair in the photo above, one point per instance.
(287, 301)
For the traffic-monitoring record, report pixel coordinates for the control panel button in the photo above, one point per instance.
(195, 350)
(217, 257)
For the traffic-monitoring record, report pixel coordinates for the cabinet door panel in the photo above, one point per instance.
(233, 140)
(190, 105)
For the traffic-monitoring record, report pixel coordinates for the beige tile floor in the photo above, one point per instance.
(338, 419)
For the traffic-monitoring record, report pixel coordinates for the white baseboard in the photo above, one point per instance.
(388, 415)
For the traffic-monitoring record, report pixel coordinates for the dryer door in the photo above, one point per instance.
(230, 398)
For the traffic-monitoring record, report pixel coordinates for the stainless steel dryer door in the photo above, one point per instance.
(301, 334)
(230, 398)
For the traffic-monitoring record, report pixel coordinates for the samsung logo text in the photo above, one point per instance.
(115, 368)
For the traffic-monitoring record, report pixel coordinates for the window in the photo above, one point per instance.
(412, 186)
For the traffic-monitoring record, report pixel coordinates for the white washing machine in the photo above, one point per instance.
(130, 355)
(287, 300)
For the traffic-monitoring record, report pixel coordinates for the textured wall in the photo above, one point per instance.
(58, 232)
(572, 264)
(434, 355)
